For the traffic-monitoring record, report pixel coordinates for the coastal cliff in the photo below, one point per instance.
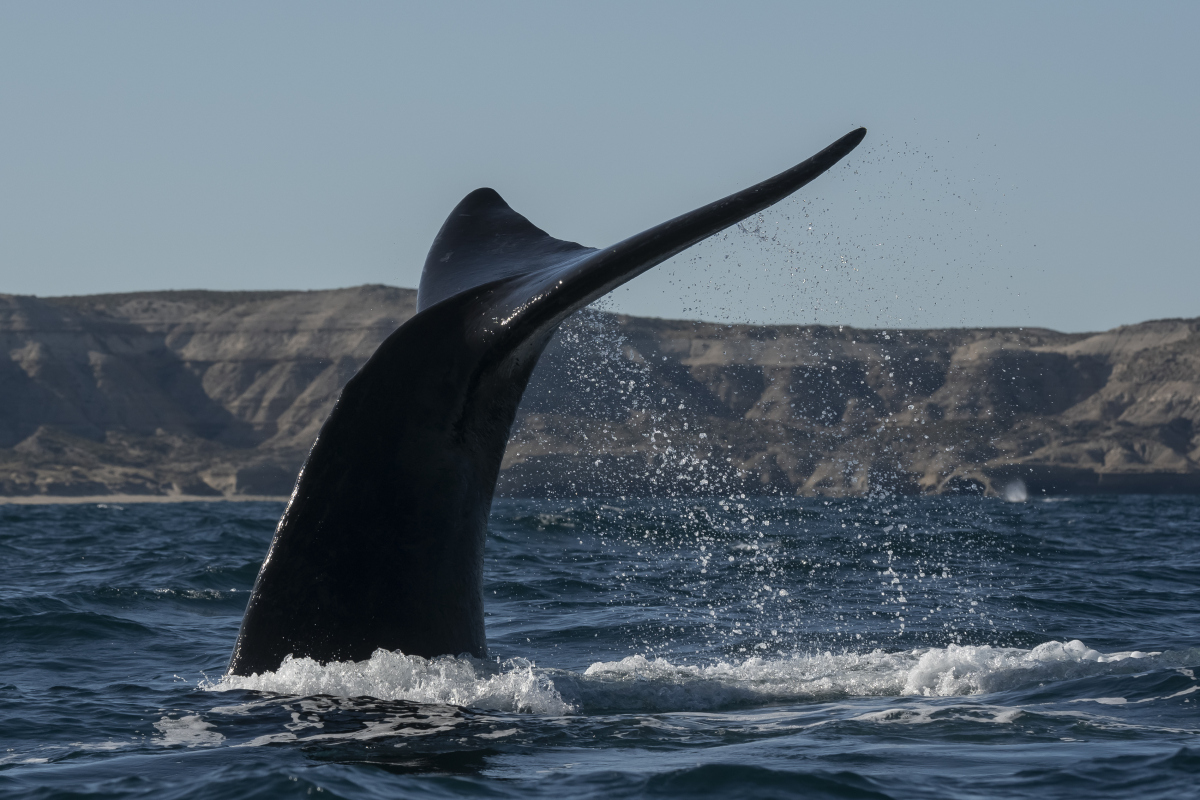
(197, 393)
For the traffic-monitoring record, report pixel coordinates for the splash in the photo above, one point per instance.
(641, 684)
(1015, 491)
(515, 686)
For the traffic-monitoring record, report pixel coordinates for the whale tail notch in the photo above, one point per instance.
(381, 544)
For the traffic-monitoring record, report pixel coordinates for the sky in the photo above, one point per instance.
(1026, 164)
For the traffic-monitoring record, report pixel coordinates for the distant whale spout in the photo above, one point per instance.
(382, 543)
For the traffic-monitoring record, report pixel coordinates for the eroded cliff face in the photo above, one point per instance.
(185, 392)
(222, 393)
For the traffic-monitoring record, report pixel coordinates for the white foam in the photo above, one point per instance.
(924, 714)
(637, 683)
(395, 676)
(958, 670)
(189, 731)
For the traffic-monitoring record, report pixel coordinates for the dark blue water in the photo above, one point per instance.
(760, 648)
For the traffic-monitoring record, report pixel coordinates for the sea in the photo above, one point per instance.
(885, 647)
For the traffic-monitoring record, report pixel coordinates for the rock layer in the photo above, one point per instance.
(221, 393)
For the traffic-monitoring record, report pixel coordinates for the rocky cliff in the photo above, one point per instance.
(222, 393)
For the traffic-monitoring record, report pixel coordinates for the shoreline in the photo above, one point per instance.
(128, 499)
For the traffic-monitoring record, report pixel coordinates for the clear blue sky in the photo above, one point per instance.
(1026, 163)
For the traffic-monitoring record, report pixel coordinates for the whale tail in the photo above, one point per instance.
(381, 545)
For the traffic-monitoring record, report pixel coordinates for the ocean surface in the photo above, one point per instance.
(905, 648)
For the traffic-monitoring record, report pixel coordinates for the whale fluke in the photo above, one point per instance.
(381, 545)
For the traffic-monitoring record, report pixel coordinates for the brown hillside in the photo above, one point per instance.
(221, 393)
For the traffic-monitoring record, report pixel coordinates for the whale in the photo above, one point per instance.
(381, 545)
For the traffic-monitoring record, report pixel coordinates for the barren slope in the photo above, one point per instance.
(223, 392)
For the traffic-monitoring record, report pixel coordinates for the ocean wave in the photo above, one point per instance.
(638, 683)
